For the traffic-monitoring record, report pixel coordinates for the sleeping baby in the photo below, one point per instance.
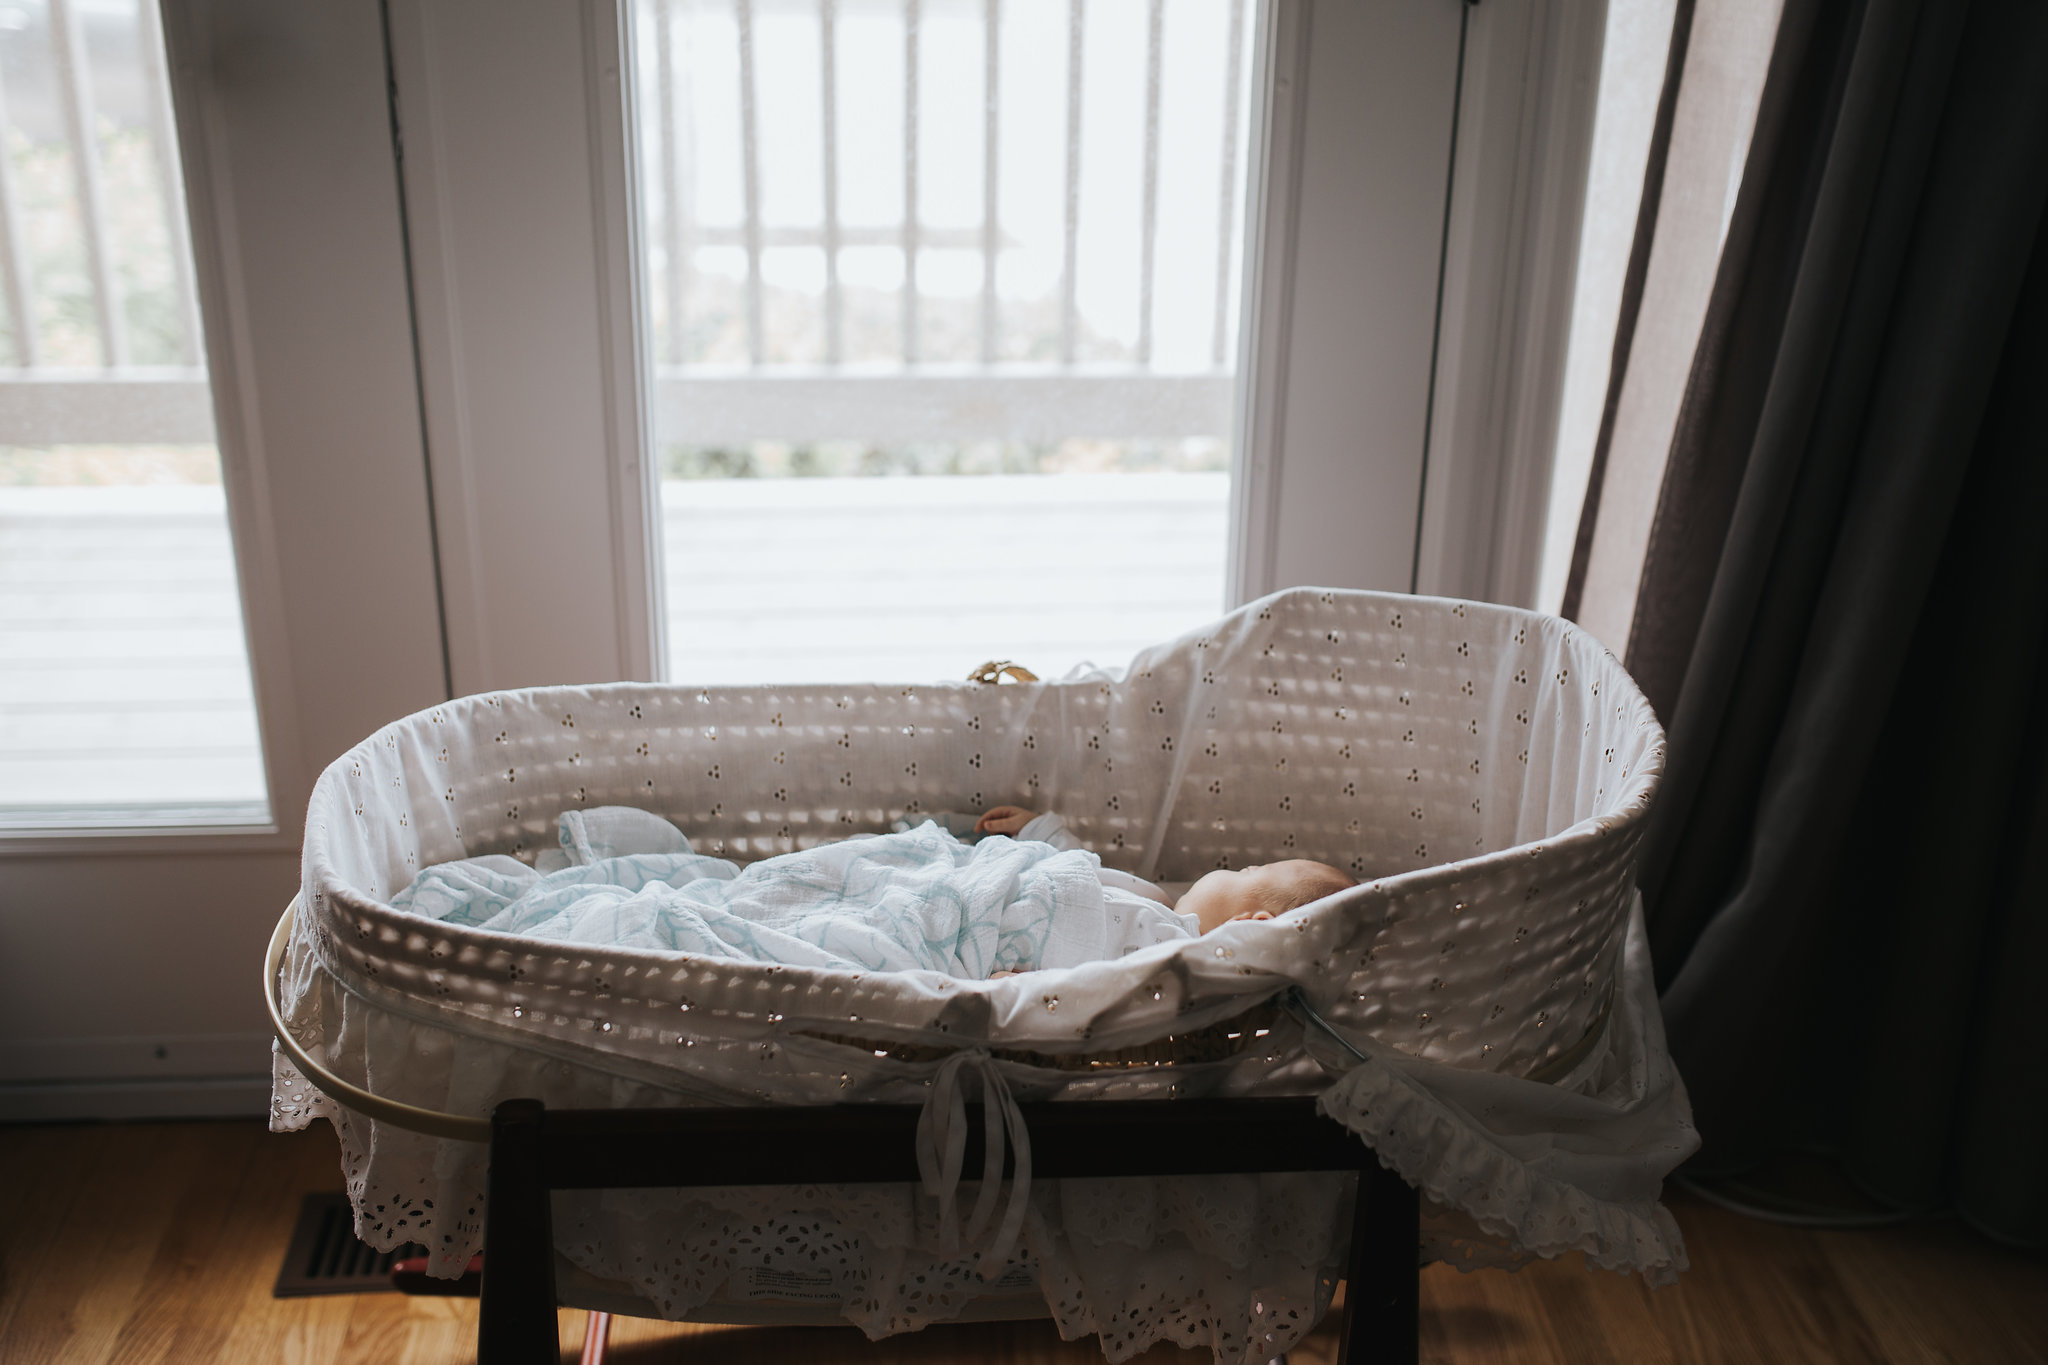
(1022, 896)
(1222, 896)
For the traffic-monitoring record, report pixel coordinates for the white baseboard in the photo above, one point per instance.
(151, 1076)
(183, 1097)
(140, 1057)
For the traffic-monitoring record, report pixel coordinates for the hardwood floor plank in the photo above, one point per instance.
(1589, 1315)
(308, 1331)
(1615, 1308)
(82, 1290)
(1759, 1291)
(153, 1243)
(297, 1332)
(188, 1295)
(48, 1167)
(381, 1329)
(1936, 1292)
(1484, 1318)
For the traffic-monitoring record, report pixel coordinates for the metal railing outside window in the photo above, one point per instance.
(917, 237)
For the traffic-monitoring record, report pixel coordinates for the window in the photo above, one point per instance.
(942, 305)
(125, 691)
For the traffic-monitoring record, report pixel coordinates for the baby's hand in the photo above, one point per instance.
(1004, 820)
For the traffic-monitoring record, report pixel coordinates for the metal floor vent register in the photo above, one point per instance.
(326, 1256)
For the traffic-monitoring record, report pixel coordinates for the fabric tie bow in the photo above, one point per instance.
(942, 1152)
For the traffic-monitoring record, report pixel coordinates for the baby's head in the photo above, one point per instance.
(1260, 892)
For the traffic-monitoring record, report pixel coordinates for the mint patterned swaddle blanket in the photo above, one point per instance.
(918, 899)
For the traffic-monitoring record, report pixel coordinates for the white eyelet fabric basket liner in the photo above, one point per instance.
(1484, 771)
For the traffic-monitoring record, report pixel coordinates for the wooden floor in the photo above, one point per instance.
(159, 1242)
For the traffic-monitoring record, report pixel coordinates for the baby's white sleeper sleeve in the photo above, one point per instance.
(1136, 913)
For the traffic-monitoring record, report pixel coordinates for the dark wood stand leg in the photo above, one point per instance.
(516, 1317)
(1383, 1291)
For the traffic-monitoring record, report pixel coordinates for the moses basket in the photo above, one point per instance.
(1478, 1004)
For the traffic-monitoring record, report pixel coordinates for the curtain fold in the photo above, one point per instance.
(1843, 618)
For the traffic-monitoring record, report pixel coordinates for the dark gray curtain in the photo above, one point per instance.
(1843, 620)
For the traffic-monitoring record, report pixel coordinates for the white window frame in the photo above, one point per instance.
(1511, 252)
(1352, 146)
(1478, 454)
(515, 135)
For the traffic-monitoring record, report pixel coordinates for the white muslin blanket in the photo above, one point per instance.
(916, 899)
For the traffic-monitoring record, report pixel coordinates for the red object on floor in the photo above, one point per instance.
(597, 1335)
(410, 1276)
